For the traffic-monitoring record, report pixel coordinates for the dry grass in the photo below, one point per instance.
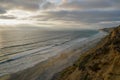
(100, 63)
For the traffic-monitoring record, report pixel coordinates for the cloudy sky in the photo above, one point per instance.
(60, 13)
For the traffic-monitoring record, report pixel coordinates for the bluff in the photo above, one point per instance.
(99, 63)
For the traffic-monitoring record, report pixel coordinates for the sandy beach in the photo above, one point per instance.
(46, 69)
(48, 39)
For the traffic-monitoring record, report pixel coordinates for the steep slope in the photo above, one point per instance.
(99, 63)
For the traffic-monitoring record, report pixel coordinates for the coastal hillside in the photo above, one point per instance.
(99, 63)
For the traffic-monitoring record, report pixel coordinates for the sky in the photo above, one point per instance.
(60, 13)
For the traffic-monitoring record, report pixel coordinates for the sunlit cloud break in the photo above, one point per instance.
(60, 13)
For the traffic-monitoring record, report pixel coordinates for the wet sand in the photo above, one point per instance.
(46, 69)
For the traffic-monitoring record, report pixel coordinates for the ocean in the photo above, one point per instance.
(24, 48)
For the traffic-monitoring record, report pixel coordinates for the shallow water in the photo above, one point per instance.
(21, 49)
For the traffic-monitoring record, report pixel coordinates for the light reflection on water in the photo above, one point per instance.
(20, 49)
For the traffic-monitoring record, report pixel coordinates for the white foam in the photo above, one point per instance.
(32, 58)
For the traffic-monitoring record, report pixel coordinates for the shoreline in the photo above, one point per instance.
(51, 66)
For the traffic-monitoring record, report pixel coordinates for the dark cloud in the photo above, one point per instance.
(30, 5)
(94, 16)
(72, 4)
(20, 4)
(2, 11)
(7, 17)
(86, 4)
(46, 5)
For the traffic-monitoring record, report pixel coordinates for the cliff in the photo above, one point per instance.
(99, 63)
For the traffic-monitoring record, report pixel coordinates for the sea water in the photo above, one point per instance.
(23, 48)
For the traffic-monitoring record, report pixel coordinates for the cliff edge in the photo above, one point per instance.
(99, 63)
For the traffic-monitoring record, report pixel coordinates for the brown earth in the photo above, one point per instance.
(99, 63)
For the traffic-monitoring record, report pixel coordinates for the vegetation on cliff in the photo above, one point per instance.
(99, 63)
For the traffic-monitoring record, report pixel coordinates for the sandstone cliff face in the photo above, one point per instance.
(99, 63)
